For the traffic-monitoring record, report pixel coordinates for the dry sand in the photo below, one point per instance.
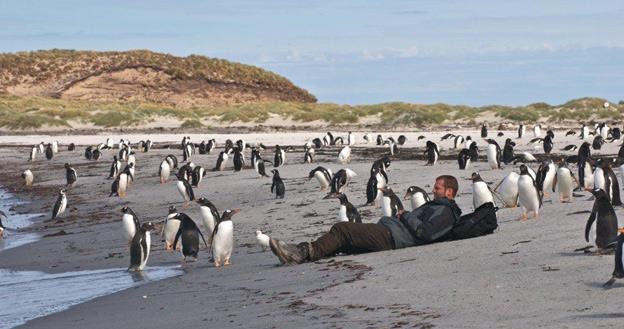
(525, 275)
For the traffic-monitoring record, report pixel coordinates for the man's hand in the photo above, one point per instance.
(399, 213)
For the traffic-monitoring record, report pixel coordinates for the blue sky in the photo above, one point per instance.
(360, 52)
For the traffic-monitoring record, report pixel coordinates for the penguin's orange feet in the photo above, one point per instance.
(524, 217)
(227, 262)
(168, 246)
(217, 264)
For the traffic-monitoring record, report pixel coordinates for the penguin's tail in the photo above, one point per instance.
(609, 283)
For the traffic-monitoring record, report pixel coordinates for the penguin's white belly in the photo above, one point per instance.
(386, 206)
(417, 200)
(342, 214)
(527, 194)
(320, 177)
(224, 241)
(481, 194)
(148, 241)
(208, 220)
(564, 183)
(585, 132)
(604, 132)
(63, 205)
(588, 176)
(381, 180)
(508, 189)
(491, 156)
(622, 172)
(164, 171)
(182, 190)
(171, 229)
(123, 183)
(435, 157)
(599, 181)
(537, 132)
(129, 228)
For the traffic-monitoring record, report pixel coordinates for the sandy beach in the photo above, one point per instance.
(525, 275)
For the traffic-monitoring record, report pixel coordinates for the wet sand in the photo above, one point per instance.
(523, 276)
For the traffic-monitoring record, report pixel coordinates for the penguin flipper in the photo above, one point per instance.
(144, 248)
(202, 236)
(175, 241)
(590, 221)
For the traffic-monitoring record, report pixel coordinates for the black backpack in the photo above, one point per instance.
(481, 222)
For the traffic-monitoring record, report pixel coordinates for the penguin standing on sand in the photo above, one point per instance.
(140, 247)
(28, 177)
(545, 176)
(189, 233)
(322, 175)
(605, 178)
(605, 219)
(390, 202)
(584, 155)
(239, 160)
(350, 139)
(163, 171)
(458, 141)
(375, 182)
(537, 130)
(309, 155)
(463, 159)
(473, 151)
(432, 153)
(197, 175)
(33, 153)
(598, 142)
(48, 152)
(258, 163)
(130, 223)
(70, 175)
(548, 144)
(584, 132)
(60, 205)
(340, 181)
(417, 196)
(123, 180)
(507, 189)
(347, 212)
(2, 228)
(210, 216)
(115, 167)
(521, 130)
(280, 156)
(529, 196)
(278, 185)
(508, 151)
(185, 189)
(170, 228)
(172, 160)
(484, 131)
(480, 191)
(563, 183)
(344, 156)
(494, 154)
(221, 161)
(618, 272)
(223, 238)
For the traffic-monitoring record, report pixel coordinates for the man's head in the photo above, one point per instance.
(446, 186)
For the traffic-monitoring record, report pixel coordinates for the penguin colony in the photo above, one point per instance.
(523, 187)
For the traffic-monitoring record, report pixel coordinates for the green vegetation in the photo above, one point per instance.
(22, 113)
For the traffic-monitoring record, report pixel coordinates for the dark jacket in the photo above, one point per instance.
(431, 222)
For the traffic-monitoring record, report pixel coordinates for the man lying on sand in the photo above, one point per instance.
(431, 222)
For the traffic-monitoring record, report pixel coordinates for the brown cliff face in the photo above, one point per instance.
(142, 76)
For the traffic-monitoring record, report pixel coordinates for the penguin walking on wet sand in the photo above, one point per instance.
(239, 160)
(347, 212)
(221, 161)
(130, 223)
(417, 196)
(280, 156)
(170, 228)
(115, 167)
(494, 154)
(563, 183)
(432, 152)
(185, 189)
(262, 240)
(33, 153)
(618, 272)
(278, 185)
(529, 196)
(602, 221)
(70, 175)
(60, 205)
(164, 171)
(140, 247)
(390, 202)
(210, 216)
(123, 180)
(480, 191)
(129, 170)
(322, 175)
(28, 177)
(223, 238)
(340, 181)
(189, 233)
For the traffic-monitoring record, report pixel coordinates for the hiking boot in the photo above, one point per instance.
(290, 253)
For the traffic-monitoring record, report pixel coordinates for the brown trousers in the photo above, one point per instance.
(352, 238)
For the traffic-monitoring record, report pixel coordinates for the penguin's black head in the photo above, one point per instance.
(124, 210)
(62, 191)
(275, 172)
(410, 191)
(342, 197)
(148, 226)
(386, 191)
(468, 138)
(172, 210)
(66, 165)
(476, 177)
(524, 170)
(599, 193)
(202, 201)
(228, 213)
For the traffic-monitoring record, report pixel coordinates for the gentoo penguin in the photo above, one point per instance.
(604, 131)
(202, 147)
(240, 144)
(417, 196)
(33, 153)
(480, 191)
(447, 136)
(96, 155)
(41, 147)
(115, 187)
(548, 144)
(521, 130)
(28, 177)
(584, 132)
(375, 182)
(147, 146)
(494, 154)
(262, 240)
(507, 190)
(48, 152)
(606, 221)
(309, 155)
(239, 160)
(563, 182)
(463, 159)
(212, 143)
(317, 143)
(60, 205)
(322, 175)
(458, 142)
(484, 131)
(115, 168)
(474, 151)
(401, 140)
(258, 163)
(379, 140)
(330, 138)
(129, 170)
(390, 202)
(210, 216)
(70, 175)
(223, 238)
(172, 160)
(163, 171)
(123, 180)
(598, 142)
(347, 212)
(221, 161)
(55, 145)
(278, 185)
(189, 233)
(130, 223)
(344, 156)
(545, 176)
(616, 133)
(421, 137)
(608, 182)
(140, 247)
(197, 175)
(529, 197)
(89, 153)
(618, 272)
(537, 130)
(280, 156)
(123, 153)
(382, 164)
(187, 151)
(132, 158)
(368, 138)
(584, 155)
(508, 151)
(350, 139)
(570, 147)
(340, 181)
(338, 141)
(170, 228)
(432, 153)
(185, 189)
(570, 133)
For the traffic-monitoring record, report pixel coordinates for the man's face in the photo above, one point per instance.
(439, 191)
